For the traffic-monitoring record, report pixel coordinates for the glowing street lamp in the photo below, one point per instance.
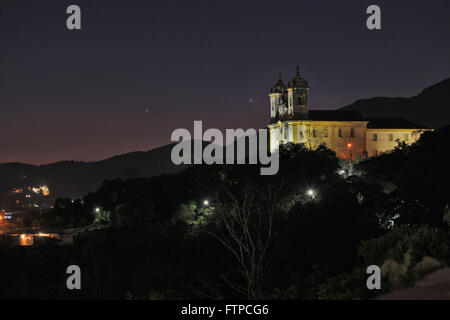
(311, 193)
(349, 146)
(97, 210)
(206, 202)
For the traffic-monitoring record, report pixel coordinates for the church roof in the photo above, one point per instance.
(374, 122)
(335, 115)
(392, 123)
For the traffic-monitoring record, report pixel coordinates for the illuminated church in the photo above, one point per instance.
(348, 133)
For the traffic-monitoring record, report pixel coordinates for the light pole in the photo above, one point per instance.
(349, 146)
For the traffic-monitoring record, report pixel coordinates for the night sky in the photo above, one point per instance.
(140, 69)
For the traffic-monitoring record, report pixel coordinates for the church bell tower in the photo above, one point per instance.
(298, 92)
(278, 97)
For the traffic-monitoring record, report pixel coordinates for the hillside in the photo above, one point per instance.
(425, 108)
(76, 178)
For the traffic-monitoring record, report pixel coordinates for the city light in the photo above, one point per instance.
(97, 210)
(41, 189)
(311, 193)
(40, 234)
(206, 202)
(349, 145)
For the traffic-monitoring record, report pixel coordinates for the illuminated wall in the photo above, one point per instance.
(26, 239)
(346, 138)
(343, 137)
(380, 141)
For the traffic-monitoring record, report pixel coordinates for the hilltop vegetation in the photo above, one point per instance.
(228, 232)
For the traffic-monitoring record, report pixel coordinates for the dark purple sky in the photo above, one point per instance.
(83, 95)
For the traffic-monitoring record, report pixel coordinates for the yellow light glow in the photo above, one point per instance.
(45, 191)
(43, 234)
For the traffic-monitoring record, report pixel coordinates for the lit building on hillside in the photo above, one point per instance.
(348, 133)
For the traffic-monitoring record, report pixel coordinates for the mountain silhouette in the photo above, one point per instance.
(77, 178)
(430, 107)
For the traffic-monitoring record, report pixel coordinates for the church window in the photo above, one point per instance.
(340, 133)
(352, 132)
(300, 101)
(325, 133)
(375, 137)
(375, 152)
(391, 137)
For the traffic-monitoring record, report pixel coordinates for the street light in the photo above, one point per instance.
(206, 202)
(97, 210)
(311, 193)
(349, 146)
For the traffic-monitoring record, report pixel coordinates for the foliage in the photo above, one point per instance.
(256, 237)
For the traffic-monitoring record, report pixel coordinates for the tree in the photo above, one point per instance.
(247, 230)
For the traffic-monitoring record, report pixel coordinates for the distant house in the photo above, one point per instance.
(29, 239)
